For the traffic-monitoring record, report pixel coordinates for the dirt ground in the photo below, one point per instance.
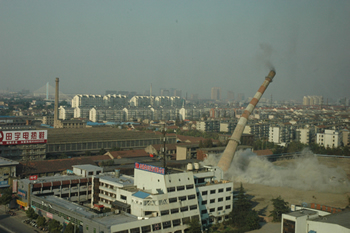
(261, 195)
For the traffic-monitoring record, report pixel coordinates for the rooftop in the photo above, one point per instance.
(88, 167)
(341, 218)
(7, 162)
(301, 213)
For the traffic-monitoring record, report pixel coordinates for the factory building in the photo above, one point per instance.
(153, 200)
(23, 143)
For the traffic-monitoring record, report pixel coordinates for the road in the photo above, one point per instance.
(13, 224)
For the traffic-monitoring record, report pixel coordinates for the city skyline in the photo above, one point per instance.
(192, 46)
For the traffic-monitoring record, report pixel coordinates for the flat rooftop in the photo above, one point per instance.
(52, 179)
(111, 220)
(341, 219)
(122, 179)
(300, 213)
(88, 167)
(67, 135)
(84, 211)
(7, 162)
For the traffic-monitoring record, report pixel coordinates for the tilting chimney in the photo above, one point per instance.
(231, 147)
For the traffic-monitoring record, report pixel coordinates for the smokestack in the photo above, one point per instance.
(55, 118)
(231, 147)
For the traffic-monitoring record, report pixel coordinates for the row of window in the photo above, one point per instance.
(220, 199)
(220, 208)
(182, 198)
(213, 191)
(177, 210)
(180, 188)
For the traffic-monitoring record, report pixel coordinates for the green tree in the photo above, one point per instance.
(242, 216)
(87, 153)
(102, 151)
(70, 228)
(295, 147)
(55, 226)
(6, 196)
(41, 221)
(115, 148)
(200, 144)
(208, 143)
(31, 213)
(279, 207)
(194, 226)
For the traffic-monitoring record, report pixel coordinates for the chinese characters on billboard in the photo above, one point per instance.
(23, 137)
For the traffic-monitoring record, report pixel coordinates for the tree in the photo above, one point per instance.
(102, 151)
(208, 143)
(194, 225)
(70, 228)
(31, 213)
(55, 226)
(279, 207)
(87, 153)
(41, 221)
(242, 216)
(6, 196)
(200, 144)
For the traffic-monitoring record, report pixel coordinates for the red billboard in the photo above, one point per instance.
(33, 177)
(23, 137)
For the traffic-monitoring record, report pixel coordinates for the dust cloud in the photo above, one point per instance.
(303, 172)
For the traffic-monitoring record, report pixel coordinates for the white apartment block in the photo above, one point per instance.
(279, 134)
(65, 113)
(165, 201)
(87, 101)
(330, 138)
(106, 114)
(303, 136)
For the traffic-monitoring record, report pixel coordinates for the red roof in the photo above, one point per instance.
(263, 152)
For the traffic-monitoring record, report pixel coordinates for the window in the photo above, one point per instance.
(220, 208)
(189, 186)
(135, 230)
(176, 222)
(212, 201)
(204, 211)
(164, 212)
(122, 197)
(212, 210)
(228, 207)
(171, 189)
(228, 189)
(212, 191)
(174, 211)
(193, 207)
(172, 200)
(186, 220)
(220, 199)
(228, 198)
(221, 190)
(183, 198)
(190, 197)
(204, 202)
(156, 227)
(180, 188)
(204, 193)
(166, 224)
(146, 229)
(184, 209)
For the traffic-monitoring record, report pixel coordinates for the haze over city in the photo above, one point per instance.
(191, 46)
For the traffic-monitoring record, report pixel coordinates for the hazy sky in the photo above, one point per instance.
(93, 46)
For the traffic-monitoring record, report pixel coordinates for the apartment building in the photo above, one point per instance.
(208, 126)
(330, 138)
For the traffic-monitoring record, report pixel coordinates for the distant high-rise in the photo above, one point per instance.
(240, 97)
(164, 92)
(230, 95)
(215, 93)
